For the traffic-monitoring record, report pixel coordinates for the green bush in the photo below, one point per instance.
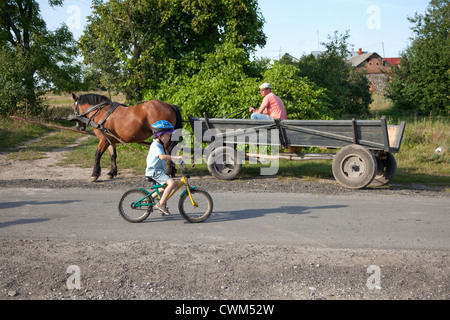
(421, 84)
(222, 86)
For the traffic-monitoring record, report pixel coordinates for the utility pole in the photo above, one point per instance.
(318, 41)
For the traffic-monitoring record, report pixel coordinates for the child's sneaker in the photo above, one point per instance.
(163, 209)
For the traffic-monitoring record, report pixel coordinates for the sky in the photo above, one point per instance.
(298, 27)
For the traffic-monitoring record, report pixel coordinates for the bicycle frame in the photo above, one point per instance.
(156, 187)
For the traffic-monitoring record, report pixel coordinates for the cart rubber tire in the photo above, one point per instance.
(224, 163)
(354, 167)
(387, 168)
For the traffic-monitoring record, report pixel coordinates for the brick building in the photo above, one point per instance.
(376, 68)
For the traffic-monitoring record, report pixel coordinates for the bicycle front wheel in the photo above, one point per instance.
(201, 211)
(133, 206)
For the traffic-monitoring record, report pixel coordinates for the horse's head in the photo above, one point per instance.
(76, 109)
(83, 102)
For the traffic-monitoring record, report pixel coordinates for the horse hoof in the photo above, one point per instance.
(93, 179)
(110, 176)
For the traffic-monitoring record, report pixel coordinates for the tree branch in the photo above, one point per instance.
(121, 20)
(12, 26)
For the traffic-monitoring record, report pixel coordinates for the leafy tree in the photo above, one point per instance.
(347, 89)
(223, 86)
(421, 83)
(137, 44)
(302, 98)
(33, 60)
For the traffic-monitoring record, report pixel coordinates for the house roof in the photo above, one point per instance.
(357, 60)
(393, 61)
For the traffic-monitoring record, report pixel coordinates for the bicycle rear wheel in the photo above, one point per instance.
(132, 206)
(201, 211)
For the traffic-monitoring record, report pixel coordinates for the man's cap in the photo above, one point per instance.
(265, 86)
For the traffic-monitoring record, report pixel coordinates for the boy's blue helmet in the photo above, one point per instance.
(162, 126)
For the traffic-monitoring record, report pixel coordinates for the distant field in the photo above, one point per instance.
(66, 99)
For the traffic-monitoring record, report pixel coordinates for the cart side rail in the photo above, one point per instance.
(372, 134)
(337, 133)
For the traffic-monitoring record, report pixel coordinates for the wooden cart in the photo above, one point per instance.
(366, 146)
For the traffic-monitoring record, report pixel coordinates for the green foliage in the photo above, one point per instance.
(422, 82)
(12, 91)
(135, 44)
(302, 98)
(347, 89)
(218, 88)
(33, 60)
(222, 86)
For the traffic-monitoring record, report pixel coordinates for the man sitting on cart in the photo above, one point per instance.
(272, 106)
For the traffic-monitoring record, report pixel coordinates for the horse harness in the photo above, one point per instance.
(99, 126)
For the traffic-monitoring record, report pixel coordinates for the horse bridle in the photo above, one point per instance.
(77, 108)
(97, 107)
(76, 111)
(82, 117)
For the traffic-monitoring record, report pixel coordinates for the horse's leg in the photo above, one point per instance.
(170, 165)
(171, 168)
(113, 153)
(101, 148)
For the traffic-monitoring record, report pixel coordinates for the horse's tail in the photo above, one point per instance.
(179, 122)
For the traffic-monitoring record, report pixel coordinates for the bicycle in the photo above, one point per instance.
(195, 205)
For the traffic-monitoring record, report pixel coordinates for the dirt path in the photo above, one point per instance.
(44, 168)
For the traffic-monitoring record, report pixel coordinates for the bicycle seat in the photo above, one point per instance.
(148, 179)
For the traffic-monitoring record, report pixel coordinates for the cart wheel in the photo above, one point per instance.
(387, 168)
(354, 167)
(224, 163)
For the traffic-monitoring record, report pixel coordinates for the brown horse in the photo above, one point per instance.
(115, 123)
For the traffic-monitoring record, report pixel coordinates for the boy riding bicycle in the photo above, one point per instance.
(156, 161)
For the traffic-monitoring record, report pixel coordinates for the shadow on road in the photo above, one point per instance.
(221, 216)
(17, 204)
(21, 221)
(255, 213)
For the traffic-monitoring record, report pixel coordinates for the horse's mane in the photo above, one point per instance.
(92, 99)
